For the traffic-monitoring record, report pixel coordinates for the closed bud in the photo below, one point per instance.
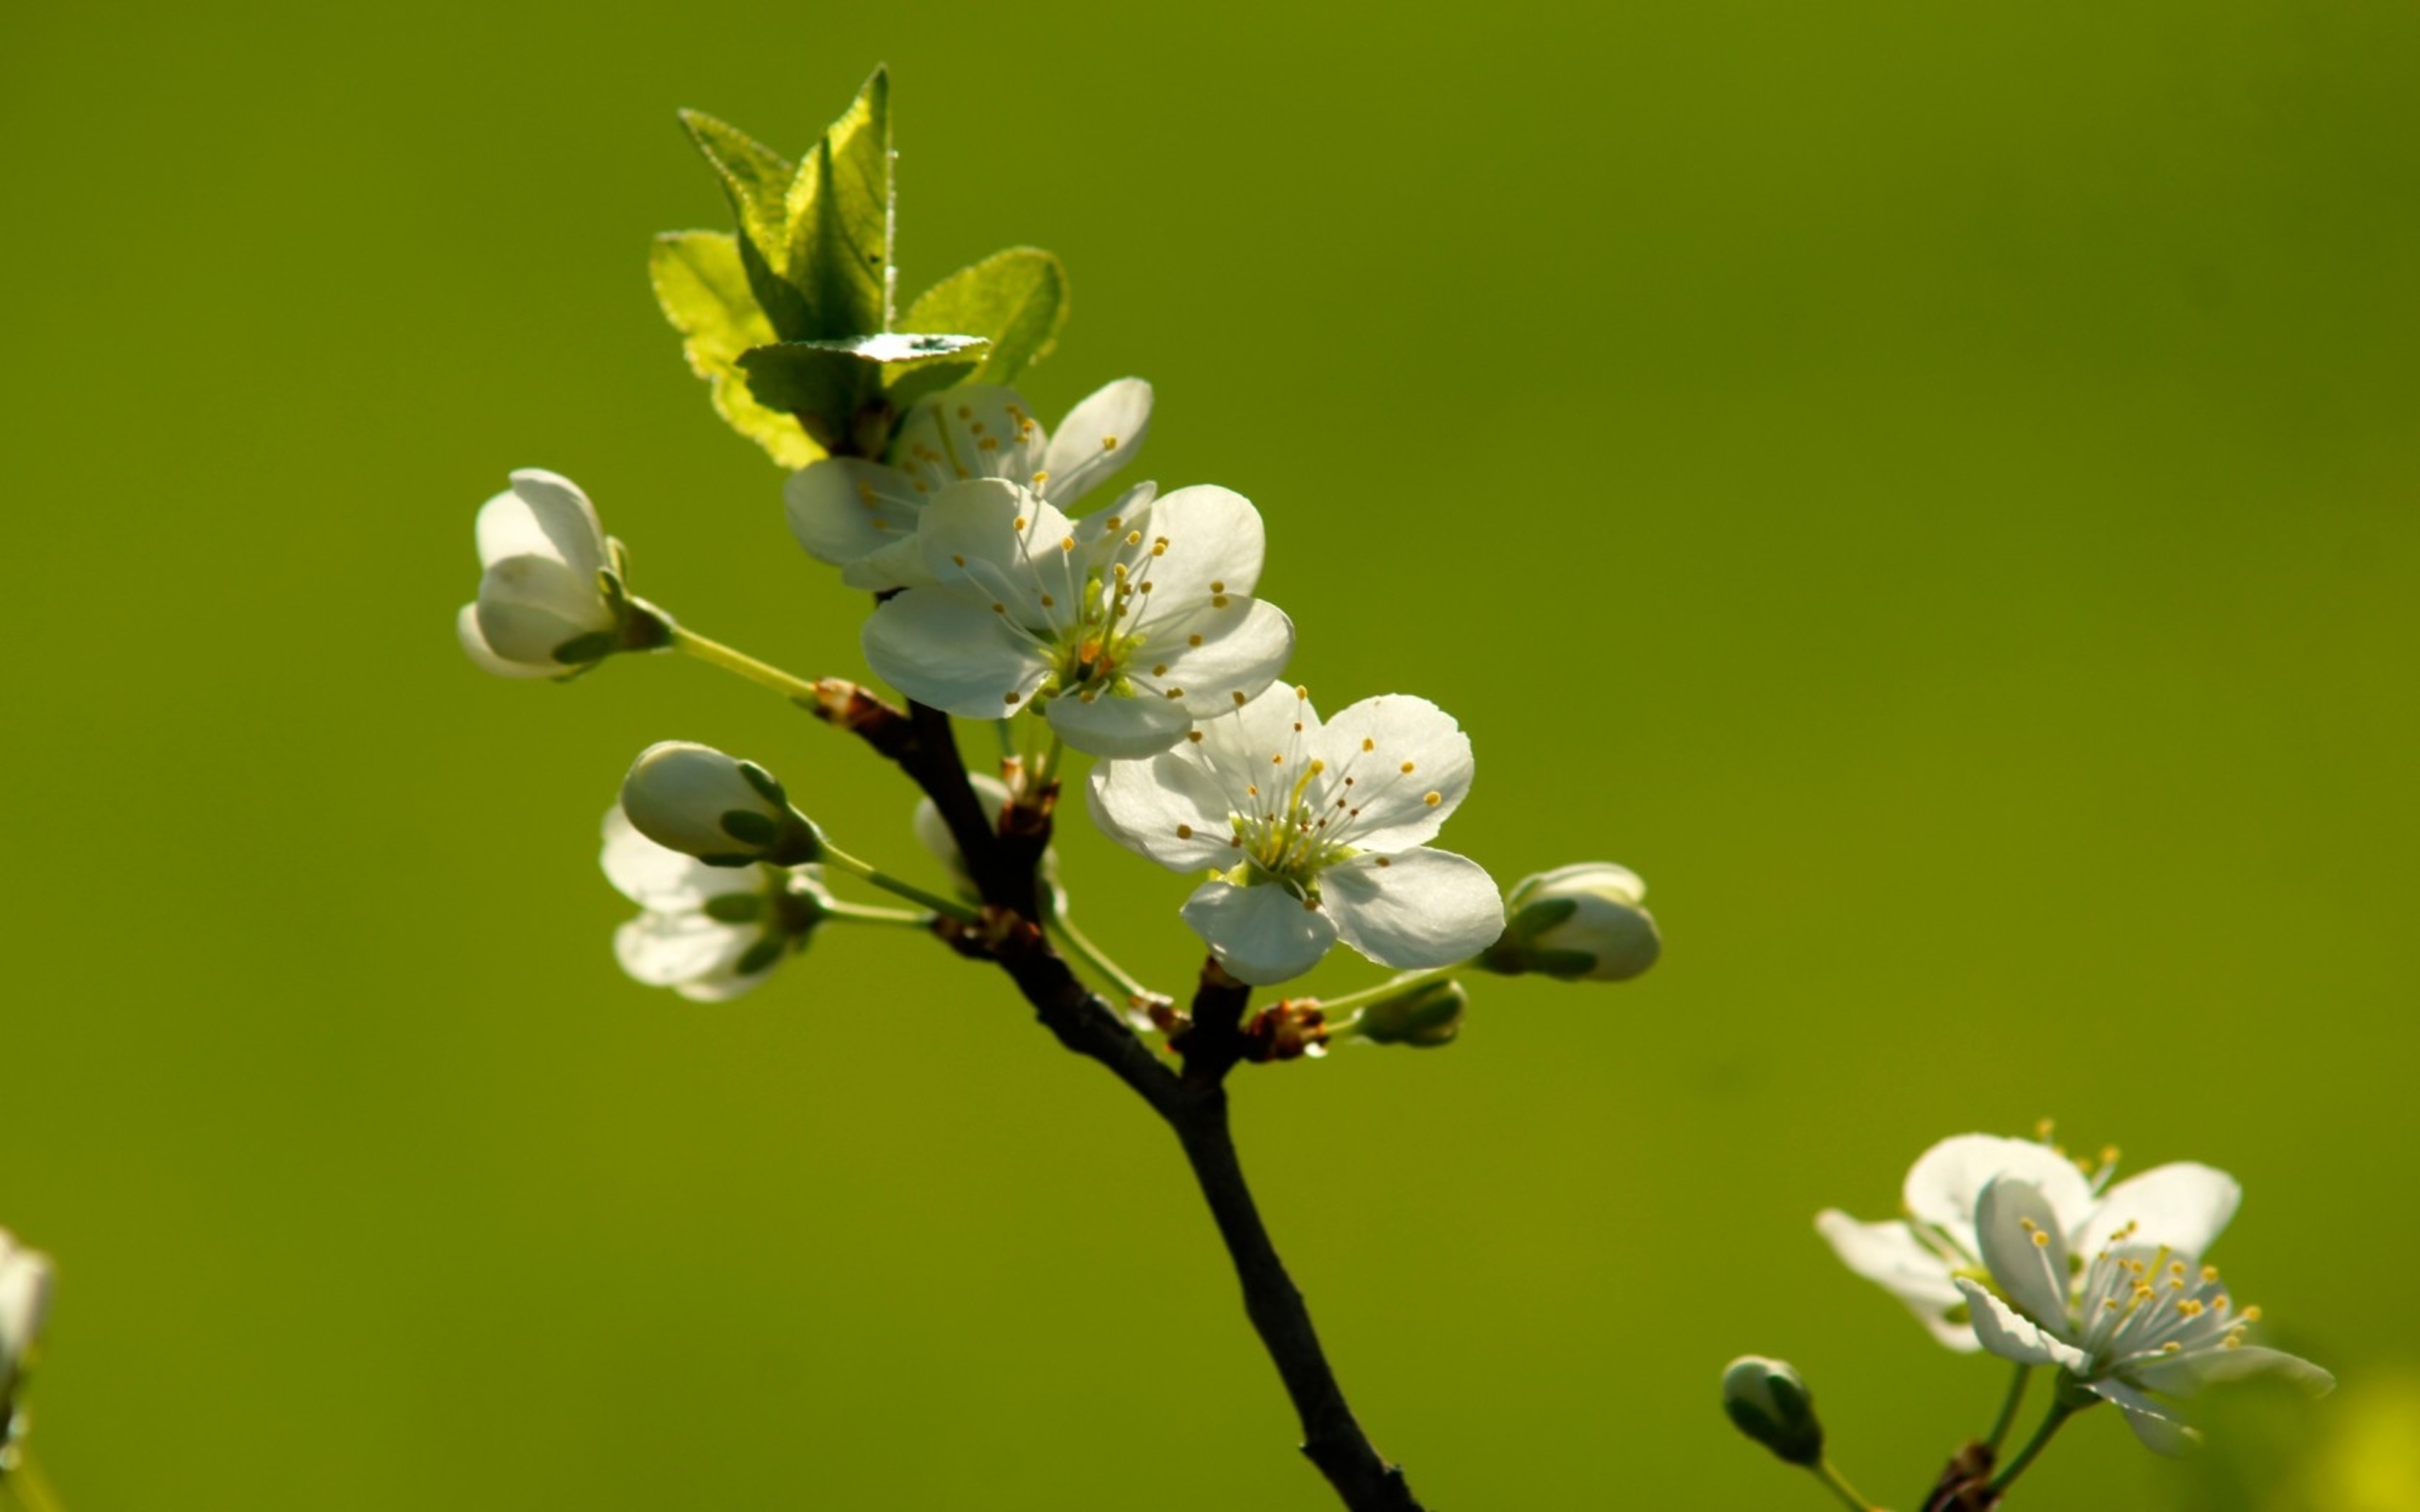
(1577, 923)
(726, 812)
(25, 1299)
(1768, 1403)
(551, 601)
(1428, 1015)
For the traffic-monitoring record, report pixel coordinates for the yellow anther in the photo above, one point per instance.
(1160, 671)
(1011, 697)
(999, 608)
(2209, 1273)
(2042, 1131)
(2041, 1240)
(1386, 861)
(1174, 694)
(1184, 831)
(1432, 799)
(1193, 640)
(989, 443)
(2250, 1315)
(1408, 767)
(1134, 538)
(977, 428)
(966, 412)
(1278, 760)
(1240, 699)
(1067, 543)
(1117, 571)
(1021, 521)
(1218, 601)
(2189, 1307)
(1194, 735)
(2232, 1341)
(1041, 478)
(961, 560)
(1367, 744)
(2028, 1225)
(1113, 521)
(1109, 443)
(2109, 1155)
(1159, 548)
(1048, 602)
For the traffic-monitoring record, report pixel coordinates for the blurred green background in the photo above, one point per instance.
(1930, 487)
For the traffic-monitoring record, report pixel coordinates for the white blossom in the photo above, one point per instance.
(708, 933)
(861, 516)
(551, 601)
(1123, 628)
(1314, 833)
(697, 801)
(25, 1301)
(2146, 1323)
(1583, 922)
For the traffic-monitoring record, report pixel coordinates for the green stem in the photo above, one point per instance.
(2060, 1412)
(1046, 769)
(1054, 904)
(860, 913)
(1825, 1471)
(2007, 1418)
(1356, 1000)
(840, 860)
(716, 654)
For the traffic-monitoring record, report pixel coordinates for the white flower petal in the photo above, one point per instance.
(1216, 543)
(1415, 909)
(2024, 1248)
(1402, 750)
(1137, 725)
(1213, 654)
(25, 1299)
(663, 879)
(2159, 1429)
(1169, 809)
(665, 950)
(723, 985)
(466, 628)
(1945, 1182)
(900, 565)
(845, 507)
(974, 545)
(2181, 1375)
(2183, 1206)
(1260, 934)
(1890, 1256)
(2012, 1337)
(952, 653)
(528, 605)
(542, 514)
(978, 431)
(1100, 435)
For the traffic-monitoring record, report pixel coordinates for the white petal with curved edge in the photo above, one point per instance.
(944, 438)
(1124, 729)
(845, 507)
(1240, 743)
(528, 605)
(665, 950)
(1945, 1182)
(542, 514)
(466, 629)
(900, 565)
(2183, 1206)
(943, 651)
(2012, 1337)
(25, 1299)
(1167, 809)
(1215, 544)
(1260, 934)
(2181, 1375)
(2024, 1248)
(1100, 435)
(2153, 1422)
(1243, 648)
(663, 880)
(1414, 909)
(976, 546)
(721, 987)
(1889, 1255)
(1374, 741)
(677, 793)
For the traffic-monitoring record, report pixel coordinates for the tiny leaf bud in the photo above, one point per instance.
(1578, 923)
(1424, 1016)
(1770, 1404)
(700, 802)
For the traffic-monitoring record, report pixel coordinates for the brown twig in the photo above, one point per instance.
(1193, 1105)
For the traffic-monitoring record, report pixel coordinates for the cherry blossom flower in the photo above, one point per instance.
(551, 601)
(708, 933)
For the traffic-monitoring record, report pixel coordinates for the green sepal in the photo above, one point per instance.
(836, 247)
(581, 650)
(1564, 964)
(761, 955)
(734, 907)
(729, 860)
(1537, 918)
(703, 289)
(1018, 298)
(766, 785)
(749, 827)
(645, 627)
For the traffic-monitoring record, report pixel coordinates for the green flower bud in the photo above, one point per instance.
(726, 813)
(1768, 1403)
(1577, 923)
(1428, 1015)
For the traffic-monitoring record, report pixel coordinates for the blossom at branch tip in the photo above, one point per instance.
(708, 933)
(1122, 628)
(1313, 833)
(862, 516)
(552, 601)
(1583, 922)
(2146, 1324)
(25, 1301)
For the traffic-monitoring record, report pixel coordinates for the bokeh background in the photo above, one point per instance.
(1932, 486)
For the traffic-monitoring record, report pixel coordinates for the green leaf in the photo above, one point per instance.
(705, 294)
(837, 251)
(1018, 298)
(822, 381)
(759, 183)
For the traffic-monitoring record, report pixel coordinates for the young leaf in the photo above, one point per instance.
(759, 182)
(839, 217)
(1018, 298)
(705, 291)
(834, 387)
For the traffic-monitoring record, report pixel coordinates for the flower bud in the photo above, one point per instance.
(1768, 1403)
(551, 602)
(1578, 923)
(726, 813)
(25, 1299)
(1428, 1015)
